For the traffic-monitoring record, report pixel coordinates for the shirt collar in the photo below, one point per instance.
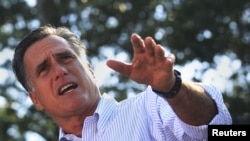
(69, 137)
(104, 110)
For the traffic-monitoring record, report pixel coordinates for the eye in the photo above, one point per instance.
(42, 68)
(66, 58)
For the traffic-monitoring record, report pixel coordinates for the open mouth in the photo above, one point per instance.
(67, 88)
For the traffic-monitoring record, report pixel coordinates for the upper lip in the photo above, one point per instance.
(65, 87)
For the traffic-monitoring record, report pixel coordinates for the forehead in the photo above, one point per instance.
(45, 48)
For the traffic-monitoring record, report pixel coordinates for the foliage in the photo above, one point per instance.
(191, 29)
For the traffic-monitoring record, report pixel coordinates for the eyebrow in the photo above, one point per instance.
(64, 53)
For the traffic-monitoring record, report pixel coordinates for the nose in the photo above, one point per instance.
(59, 71)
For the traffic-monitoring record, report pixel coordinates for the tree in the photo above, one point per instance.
(192, 29)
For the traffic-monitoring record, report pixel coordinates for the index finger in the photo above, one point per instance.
(138, 43)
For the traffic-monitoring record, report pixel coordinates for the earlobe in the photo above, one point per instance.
(35, 101)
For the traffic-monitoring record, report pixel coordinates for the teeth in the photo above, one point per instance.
(65, 87)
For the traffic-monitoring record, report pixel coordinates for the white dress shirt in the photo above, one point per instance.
(145, 117)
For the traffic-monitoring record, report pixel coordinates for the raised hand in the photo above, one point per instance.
(149, 64)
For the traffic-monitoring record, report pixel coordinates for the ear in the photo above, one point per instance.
(36, 101)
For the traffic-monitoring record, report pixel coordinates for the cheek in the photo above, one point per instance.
(43, 87)
(45, 99)
(81, 70)
(88, 76)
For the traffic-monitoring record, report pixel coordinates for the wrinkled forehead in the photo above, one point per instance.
(45, 48)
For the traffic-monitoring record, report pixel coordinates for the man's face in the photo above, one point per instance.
(62, 84)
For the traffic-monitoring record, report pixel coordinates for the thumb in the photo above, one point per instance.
(119, 66)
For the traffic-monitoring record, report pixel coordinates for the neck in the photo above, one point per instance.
(73, 127)
(73, 124)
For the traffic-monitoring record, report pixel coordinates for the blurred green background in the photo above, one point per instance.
(211, 40)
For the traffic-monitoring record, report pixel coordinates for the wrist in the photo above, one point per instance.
(174, 90)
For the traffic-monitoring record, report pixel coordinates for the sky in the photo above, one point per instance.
(31, 3)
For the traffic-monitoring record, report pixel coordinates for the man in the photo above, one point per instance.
(52, 65)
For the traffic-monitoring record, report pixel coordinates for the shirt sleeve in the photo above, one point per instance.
(164, 117)
(223, 116)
